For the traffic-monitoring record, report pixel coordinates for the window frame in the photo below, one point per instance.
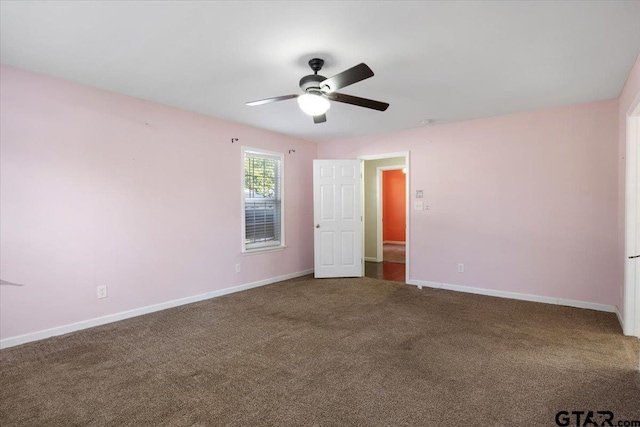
(265, 247)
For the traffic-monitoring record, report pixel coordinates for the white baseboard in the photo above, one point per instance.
(620, 319)
(90, 323)
(515, 295)
(393, 242)
(371, 259)
(422, 283)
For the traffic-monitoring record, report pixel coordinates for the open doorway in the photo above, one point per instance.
(396, 265)
(391, 213)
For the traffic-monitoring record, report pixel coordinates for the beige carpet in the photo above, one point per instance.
(341, 352)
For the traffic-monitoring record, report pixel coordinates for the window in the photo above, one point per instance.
(263, 221)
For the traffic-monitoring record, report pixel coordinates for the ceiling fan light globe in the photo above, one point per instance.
(313, 105)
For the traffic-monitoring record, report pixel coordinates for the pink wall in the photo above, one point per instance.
(628, 98)
(528, 202)
(99, 188)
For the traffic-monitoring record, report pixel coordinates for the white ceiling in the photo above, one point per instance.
(446, 61)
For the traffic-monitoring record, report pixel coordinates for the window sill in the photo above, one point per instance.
(263, 250)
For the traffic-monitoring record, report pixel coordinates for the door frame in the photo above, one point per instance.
(632, 246)
(407, 164)
(379, 197)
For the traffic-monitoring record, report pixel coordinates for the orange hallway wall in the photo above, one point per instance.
(393, 206)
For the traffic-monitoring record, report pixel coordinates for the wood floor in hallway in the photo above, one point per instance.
(385, 271)
(392, 268)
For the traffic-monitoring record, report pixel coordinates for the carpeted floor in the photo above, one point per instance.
(339, 352)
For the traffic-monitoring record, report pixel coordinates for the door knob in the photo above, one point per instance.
(317, 225)
(635, 256)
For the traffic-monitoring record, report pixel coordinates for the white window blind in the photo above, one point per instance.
(263, 182)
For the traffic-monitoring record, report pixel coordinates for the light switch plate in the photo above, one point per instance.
(419, 194)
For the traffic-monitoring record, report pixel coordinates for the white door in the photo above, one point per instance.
(636, 211)
(632, 227)
(337, 214)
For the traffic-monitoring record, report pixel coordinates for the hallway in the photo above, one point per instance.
(393, 266)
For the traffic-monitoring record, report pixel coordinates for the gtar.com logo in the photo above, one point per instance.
(591, 418)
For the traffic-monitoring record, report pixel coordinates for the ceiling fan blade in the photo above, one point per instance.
(270, 100)
(346, 78)
(320, 119)
(360, 102)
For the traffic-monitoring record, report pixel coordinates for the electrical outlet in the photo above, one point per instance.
(237, 268)
(460, 267)
(102, 291)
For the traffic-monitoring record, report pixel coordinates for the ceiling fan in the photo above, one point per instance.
(319, 90)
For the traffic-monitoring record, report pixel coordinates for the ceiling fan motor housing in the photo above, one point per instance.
(311, 81)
